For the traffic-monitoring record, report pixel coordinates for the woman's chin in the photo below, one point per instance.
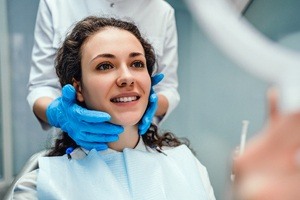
(125, 121)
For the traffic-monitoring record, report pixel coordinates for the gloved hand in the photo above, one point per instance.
(152, 106)
(89, 129)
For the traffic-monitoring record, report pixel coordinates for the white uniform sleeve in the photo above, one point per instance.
(43, 81)
(206, 182)
(168, 64)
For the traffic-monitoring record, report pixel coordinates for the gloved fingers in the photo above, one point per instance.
(101, 147)
(68, 95)
(93, 116)
(147, 118)
(149, 114)
(104, 128)
(93, 145)
(152, 107)
(86, 137)
(153, 98)
(78, 112)
(144, 125)
(53, 112)
(156, 79)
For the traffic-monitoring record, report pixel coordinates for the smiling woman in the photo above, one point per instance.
(109, 66)
(114, 77)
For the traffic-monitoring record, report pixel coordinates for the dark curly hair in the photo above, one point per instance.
(68, 68)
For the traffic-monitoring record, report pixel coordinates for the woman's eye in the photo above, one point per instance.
(138, 64)
(104, 66)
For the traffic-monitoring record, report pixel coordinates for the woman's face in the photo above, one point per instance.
(114, 76)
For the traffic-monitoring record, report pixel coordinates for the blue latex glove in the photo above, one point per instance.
(88, 128)
(152, 106)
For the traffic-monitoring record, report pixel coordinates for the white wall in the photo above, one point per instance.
(28, 137)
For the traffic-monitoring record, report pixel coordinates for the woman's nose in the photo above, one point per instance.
(125, 78)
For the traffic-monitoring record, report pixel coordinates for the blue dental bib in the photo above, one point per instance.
(128, 175)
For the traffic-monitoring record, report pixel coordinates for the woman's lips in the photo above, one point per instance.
(124, 99)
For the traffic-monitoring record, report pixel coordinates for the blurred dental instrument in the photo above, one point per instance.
(241, 148)
(243, 136)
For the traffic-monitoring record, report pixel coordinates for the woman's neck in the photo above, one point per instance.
(128, 139)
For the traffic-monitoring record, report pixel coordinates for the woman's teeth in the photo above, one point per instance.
(125, 99)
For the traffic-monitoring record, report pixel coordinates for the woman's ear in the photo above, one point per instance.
(78, 88)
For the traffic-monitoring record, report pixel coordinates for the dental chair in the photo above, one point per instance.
(29, 166)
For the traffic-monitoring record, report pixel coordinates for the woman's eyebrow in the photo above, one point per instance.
(105, 55)
(108, 55)
(134, 54)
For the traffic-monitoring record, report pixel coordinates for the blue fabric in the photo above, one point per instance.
(132, 174)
